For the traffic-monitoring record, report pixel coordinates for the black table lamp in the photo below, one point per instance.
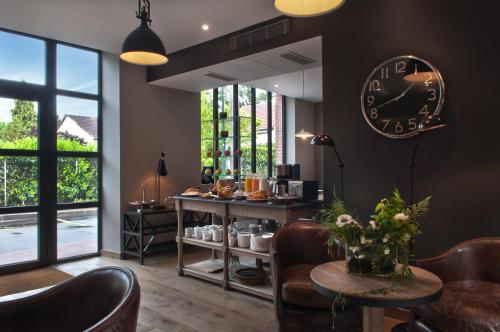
(161, 170)
(429, 123)
(326, 140)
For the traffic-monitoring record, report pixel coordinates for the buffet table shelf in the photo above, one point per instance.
(226, 209)
(200, 243)
(245, 251)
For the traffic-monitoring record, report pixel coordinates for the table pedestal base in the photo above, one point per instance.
(373, 319)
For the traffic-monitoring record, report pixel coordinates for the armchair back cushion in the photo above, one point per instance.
(477, 259)
(105, 299)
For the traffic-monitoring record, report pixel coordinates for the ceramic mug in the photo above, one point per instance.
(188, 231)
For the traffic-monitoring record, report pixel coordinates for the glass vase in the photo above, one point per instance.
(371, 259)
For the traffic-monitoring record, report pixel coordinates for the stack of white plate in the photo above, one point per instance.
(260, 242)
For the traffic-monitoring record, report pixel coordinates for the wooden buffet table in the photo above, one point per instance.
(332, 278)
(233, 208)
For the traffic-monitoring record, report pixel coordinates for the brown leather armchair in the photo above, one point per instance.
(105, 299)
(296, 249)
(471, 289)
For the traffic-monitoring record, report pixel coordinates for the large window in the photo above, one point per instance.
(50, 151)
(254, 126)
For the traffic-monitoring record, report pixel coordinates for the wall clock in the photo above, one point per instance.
(399, 93)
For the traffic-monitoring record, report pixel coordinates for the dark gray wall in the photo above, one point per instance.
(458, 165)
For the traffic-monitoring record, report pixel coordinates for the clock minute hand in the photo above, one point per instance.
(398, 97)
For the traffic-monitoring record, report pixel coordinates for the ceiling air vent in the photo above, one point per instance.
(297, 58)
(221, 77)
(261, 35)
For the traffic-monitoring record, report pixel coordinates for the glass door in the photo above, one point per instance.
(20, 230)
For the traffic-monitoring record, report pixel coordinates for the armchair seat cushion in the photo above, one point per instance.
(468, 306)
(297, 288)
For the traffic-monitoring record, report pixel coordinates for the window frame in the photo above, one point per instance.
(48, 154)
(253, 126)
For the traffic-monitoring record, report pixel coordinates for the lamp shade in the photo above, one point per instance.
(307, 8)
(304, 134)
(322, 140)
(162, 167)
(431, 122)
(144, 47)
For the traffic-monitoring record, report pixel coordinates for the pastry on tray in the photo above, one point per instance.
(258, 195)
(225, 192)
(207, 195)
(192, 191)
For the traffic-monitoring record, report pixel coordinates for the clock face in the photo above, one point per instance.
(399, 94)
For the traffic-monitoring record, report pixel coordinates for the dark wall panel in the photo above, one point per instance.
(458, 165)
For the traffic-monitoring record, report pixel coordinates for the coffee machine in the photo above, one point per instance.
(287, 172)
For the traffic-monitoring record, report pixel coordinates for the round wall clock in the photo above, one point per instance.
(399, 93)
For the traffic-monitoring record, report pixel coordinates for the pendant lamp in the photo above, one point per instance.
(307, 8)
(143, 46)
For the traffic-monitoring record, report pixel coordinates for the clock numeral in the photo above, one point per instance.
(370, 100)
(386, 124)
(428, 81)
(412, 124)
(433, 95)
(424, 111)
(398, 128)
(375, 85)
(400, 67)
(384, 72)
(373, 113)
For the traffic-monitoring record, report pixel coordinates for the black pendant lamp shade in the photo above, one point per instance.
(143, 46)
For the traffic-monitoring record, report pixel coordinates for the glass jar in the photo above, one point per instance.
(255, 183)
(248, 182)
(234, 265)
(371, 259)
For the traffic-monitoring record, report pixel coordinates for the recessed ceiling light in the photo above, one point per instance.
(205, 27)
(276, 86)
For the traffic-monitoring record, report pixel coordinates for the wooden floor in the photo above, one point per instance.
(172, 303)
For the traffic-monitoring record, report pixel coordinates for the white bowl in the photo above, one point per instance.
(244, 240)
(260, 242)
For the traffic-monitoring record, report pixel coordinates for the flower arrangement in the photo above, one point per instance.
(383, 246)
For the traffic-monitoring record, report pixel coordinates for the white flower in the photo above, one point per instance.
(373, 224)
(386, 238)
(368, 241)
(360, 256)
(343, 218)
(362, 239)
(401, 217)
(387, 251)
(406, 237)
(354, 249)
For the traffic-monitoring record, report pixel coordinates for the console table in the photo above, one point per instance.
(233, 208)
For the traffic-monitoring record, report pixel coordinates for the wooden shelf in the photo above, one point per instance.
(246, 251)
(200, 243)
(194, 271)
(264, 290)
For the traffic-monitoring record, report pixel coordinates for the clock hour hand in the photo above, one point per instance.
(398, 97)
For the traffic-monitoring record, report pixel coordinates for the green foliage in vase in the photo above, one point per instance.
(385, 240)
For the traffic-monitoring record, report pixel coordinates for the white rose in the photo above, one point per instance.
(373, 224)
(386, 238)
(401, 217)
(406, 237)
(362, 239)
(354, 249)
(387, 251)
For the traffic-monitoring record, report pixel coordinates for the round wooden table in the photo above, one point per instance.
(332, 278)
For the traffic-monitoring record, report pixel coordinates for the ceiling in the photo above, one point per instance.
(104, 24)
(262, 70)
